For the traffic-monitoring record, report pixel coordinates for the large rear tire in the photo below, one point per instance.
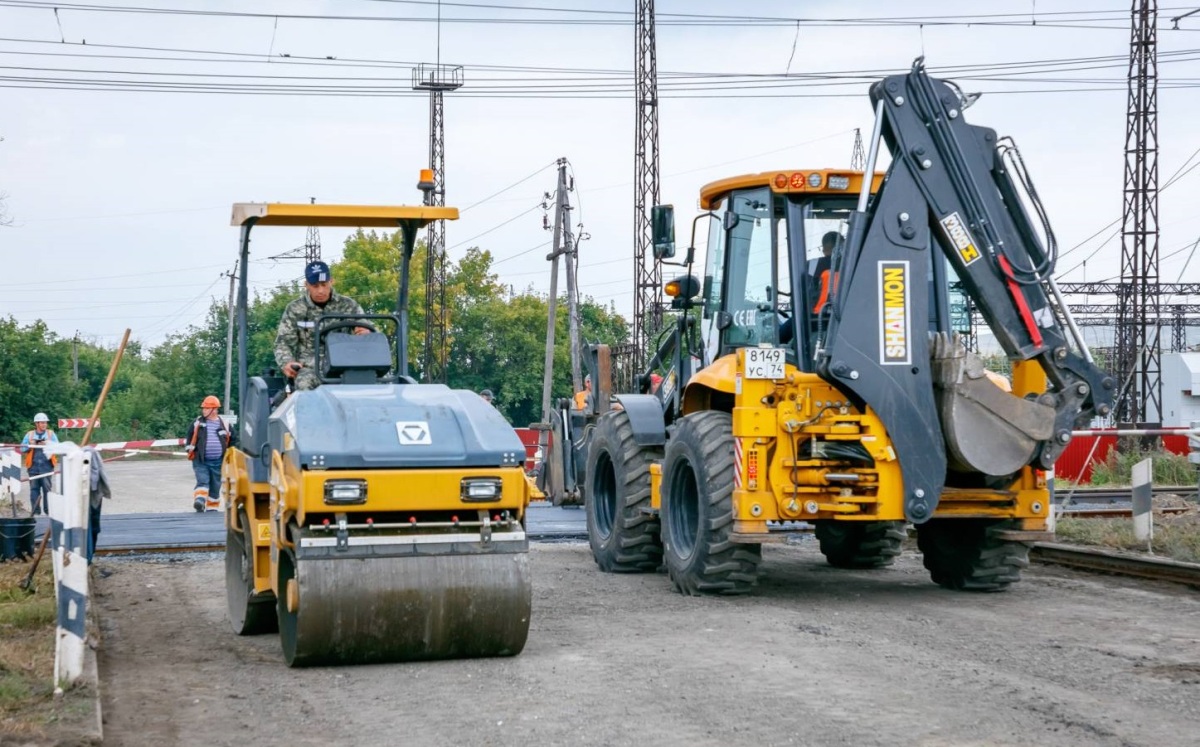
(248, 614)
(697, 510)
(624, 535)
(860, 544)
(964, 554)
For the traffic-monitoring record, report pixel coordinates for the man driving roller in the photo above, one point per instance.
(295, 340)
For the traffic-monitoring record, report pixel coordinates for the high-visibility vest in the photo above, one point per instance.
(198, 426)
(823, 295)
(29, 454)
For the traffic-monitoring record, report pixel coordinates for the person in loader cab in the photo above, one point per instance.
(294, 341)
(207, 442)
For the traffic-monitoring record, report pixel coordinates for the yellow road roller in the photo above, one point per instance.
(372, 518)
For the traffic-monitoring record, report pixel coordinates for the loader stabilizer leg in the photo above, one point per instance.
(880, 352)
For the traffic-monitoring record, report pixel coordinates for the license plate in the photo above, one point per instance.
(764, 363)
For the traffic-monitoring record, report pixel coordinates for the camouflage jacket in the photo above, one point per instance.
(298, 327)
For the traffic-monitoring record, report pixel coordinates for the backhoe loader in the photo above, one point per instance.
(840, 393)
(373, 518)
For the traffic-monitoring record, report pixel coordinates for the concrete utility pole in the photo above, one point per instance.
(552, 301)
(229, 342)
(75, 356)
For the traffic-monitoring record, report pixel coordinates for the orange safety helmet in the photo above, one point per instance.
(211, 401)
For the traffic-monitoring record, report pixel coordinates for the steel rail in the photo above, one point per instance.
(1117, 563)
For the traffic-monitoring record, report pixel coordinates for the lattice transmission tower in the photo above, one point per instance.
(1138, 345)
(647, 275)
(437, 79)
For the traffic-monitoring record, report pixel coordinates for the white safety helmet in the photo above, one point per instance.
(41, 418)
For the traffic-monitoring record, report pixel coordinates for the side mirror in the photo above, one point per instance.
(662, 227)
(730, 219)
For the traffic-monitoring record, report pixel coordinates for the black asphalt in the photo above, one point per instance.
(132, 532)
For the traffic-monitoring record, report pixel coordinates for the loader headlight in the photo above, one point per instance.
(481, 489)
(839, 182)
(814, 180)
(345, 492)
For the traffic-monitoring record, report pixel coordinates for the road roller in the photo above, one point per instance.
(371, 518)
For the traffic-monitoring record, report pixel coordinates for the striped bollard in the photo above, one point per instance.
(1143, 517)
(69, 531)
(10, 474)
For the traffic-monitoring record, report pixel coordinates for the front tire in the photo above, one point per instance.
(856, 544)
(697, 510)
(623, 534)
(965, 555)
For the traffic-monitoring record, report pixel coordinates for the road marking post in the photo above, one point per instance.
(69, 532)
(1143, 516)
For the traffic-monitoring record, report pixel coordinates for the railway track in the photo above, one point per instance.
(1117, 563)
(1118, 495)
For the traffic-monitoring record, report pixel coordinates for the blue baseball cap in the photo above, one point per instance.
(316, 272)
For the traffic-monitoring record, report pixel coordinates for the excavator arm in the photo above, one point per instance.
(955, 188)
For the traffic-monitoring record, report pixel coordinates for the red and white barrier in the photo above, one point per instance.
(127, 445)
(76, 422)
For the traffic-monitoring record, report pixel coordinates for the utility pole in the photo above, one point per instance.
(75, 355)
(1139, 349)
(647, 309)
(570, 249)
(229, 341)
(312, 243)
(437, 79)
(858, 158)
(560, 213)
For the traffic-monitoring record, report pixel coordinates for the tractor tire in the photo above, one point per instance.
(624, 535)
(963, 554)
(856, 544)
(697, 510)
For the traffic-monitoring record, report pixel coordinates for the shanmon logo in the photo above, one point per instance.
(961, 237)
(894, 312)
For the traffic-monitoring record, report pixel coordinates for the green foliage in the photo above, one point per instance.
(496, 340)
(35, 376)
(1167, 468)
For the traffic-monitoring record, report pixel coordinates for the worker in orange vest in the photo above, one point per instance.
(38, 463)
(823, 272)
(207, 442)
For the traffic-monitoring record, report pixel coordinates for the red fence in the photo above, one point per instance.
(1075, 465)
(529, 437)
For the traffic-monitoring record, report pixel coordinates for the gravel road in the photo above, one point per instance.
(815, 656)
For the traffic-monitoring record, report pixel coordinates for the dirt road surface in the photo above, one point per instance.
(816, 656)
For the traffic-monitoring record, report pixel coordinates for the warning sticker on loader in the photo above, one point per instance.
(957, 231)
(895, 347)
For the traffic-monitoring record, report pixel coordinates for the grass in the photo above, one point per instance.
(28, 709)
(1175, 536)
(1117, 468)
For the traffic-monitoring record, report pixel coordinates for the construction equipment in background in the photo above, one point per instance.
(372, 518)
(836, 391)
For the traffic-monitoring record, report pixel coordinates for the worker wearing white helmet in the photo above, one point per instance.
(38, 463)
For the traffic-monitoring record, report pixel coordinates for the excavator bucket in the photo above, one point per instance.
(986, 428)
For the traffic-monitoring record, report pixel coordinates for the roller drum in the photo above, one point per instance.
(382, 604)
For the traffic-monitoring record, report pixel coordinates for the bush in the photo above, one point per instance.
(1168, 469)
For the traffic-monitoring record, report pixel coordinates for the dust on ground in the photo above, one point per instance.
(814, 656)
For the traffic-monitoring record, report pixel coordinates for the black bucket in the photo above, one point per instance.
(16, 537)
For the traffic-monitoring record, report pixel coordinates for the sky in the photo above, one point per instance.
(121, 156)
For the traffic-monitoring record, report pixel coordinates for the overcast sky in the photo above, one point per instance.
(119, 196)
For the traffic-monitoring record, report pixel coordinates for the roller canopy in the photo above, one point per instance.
(394, 426)
(347, 216)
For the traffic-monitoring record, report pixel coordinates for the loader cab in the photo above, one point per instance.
(767, 279)
(764, 266)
